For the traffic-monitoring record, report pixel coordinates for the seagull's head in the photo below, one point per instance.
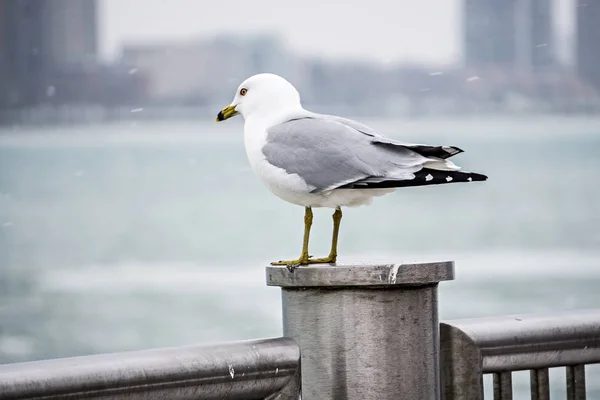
(262, 94)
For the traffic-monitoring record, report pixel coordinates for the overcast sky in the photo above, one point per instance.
(425, 30)
(383, 30)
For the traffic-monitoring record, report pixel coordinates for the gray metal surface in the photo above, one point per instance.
(575, 382)
(244, 370)
(366, 332)
(323, 275)
(540, 384)
(503, 386)
(472, 347)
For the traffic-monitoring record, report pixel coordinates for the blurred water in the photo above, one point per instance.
(122, 237)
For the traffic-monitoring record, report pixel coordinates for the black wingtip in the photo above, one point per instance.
(424, 177)
(458, 150)
(476, 177)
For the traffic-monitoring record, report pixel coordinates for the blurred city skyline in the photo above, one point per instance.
(97, 60)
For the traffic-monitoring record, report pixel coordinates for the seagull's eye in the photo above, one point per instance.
(243, 91)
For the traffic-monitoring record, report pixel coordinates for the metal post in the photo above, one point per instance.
(365, 331)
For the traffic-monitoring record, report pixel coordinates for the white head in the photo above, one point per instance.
(262, 94)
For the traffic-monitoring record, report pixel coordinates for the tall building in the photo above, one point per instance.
(39, 39)
(489, 29)
(535, 39)
(588, 42)
(513, 33)
(71, 30)
(22, 61)
(543, 37)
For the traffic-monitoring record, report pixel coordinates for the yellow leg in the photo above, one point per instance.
(304, 257)
(337, 218)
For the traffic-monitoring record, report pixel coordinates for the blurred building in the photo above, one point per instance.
(72, 31)
(40, 40)
(489, 32)
(588, 42)
(200, 70)
(509, 33)
(538, 34)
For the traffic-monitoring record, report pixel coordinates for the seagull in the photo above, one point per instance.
(317, 160)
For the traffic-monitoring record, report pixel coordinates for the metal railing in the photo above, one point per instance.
(260, 369)
(473, 347)
(366, 332)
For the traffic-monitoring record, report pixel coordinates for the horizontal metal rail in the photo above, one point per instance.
(499, 345)
(259, 369)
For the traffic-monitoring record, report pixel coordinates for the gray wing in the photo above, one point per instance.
(425, 150)
(328, 154)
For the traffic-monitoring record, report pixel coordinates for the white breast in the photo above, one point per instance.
(289, 187)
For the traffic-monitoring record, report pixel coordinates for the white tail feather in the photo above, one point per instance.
(440, 165)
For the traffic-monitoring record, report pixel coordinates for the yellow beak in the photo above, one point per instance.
(226, 113)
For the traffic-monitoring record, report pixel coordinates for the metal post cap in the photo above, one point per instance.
(326, 275)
